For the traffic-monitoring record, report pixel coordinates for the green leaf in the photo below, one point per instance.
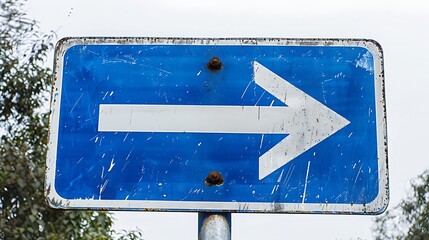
(408, 220)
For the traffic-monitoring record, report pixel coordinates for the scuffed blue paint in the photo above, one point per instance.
(173, 166)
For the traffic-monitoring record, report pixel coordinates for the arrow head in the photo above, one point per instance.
(312, 122)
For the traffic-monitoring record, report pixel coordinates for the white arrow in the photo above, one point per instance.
(306, 120)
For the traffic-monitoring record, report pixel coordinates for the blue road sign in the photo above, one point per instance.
(247, 125)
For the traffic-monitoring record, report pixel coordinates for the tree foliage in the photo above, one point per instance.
(24, 94)
(410, 219)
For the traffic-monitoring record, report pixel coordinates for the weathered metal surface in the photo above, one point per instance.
(289, 125)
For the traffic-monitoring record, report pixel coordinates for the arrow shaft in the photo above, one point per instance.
(194, 118)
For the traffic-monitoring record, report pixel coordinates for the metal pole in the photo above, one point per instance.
(214, 226)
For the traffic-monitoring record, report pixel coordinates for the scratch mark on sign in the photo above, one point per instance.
(102, 172)
(357, 175)
(102, 188)
(275, 189)
(71, 110)
(280, 177)
(159, 69)
(125, 138)
(112, 163)
(289, 174)
(305, 185)
(245, 90)
(105, 95)
(256, 104)
(128, 156)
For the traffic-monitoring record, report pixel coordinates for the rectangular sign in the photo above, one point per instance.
(239, 125)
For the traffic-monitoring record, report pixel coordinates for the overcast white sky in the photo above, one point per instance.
(400, 26)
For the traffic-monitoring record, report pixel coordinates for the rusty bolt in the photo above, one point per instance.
(214, 64)
(214, 178)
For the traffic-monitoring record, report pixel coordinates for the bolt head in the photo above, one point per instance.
(214, 178)
(214, 64)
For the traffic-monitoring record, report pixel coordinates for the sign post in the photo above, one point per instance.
(214, 226)
(218, 125)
